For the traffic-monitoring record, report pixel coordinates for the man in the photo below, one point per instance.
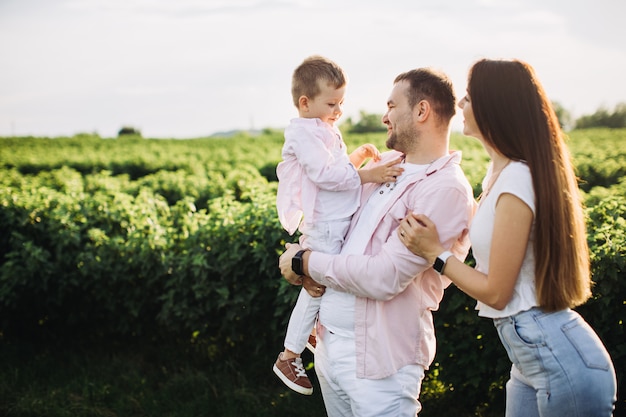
(375, 332)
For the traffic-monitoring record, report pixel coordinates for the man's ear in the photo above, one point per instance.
(422, 110)
(303, 103)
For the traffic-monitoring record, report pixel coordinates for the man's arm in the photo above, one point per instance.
(387, 273)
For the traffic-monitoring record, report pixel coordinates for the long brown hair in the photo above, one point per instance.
(516, 118)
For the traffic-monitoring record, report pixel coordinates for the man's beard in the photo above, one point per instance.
(402, 141)
(391, 141)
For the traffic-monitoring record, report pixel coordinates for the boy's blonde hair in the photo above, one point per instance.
(312, 70)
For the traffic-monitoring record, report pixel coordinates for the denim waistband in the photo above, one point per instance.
(534, 312)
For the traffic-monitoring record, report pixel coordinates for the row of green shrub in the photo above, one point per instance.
(179, 240)
(101, 256)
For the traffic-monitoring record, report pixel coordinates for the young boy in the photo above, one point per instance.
(319, 189)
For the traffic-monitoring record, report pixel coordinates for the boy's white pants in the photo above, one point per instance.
(326, 237)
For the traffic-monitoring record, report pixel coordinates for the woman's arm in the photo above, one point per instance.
(512, 226)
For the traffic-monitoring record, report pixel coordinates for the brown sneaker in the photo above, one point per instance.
(311, 343)
(292, 373)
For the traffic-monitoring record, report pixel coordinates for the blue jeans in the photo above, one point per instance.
(560, 366)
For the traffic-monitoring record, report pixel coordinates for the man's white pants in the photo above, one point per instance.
(346, 395)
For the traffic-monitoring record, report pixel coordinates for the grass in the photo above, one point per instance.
(149, 379)
(138, 380)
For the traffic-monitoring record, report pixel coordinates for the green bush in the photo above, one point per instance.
(606, 311)
(178, 240)
(599, 156)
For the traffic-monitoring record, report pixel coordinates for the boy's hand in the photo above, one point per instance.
(388, 172)
(368, 150)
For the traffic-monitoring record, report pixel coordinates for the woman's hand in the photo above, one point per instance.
(419, 234)
(284, 263)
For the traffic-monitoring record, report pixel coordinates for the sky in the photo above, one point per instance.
(191, 68)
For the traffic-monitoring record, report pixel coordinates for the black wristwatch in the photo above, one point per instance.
(440, 262)
(297, 263)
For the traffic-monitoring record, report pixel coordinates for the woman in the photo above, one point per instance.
(528, 239)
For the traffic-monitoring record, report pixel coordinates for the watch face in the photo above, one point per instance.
(296, 263)
(438, 265)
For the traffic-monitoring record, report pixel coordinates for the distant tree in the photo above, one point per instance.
(368, 122)
(604, 118)
(564, 116)
(128, 130)
(87, 135)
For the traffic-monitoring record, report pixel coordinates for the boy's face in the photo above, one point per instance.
(326, 106)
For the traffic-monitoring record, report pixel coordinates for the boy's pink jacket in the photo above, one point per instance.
(397, 290)
(314, 157)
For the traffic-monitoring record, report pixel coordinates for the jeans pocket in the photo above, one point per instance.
(523, 343)
(530, 336)
(587, 344)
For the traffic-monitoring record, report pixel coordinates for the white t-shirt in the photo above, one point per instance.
(337, 307)
(514, 179)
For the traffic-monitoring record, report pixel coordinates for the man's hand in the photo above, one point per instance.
(312, 287)
(284, 263)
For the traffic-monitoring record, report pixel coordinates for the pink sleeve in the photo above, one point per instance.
(289, 195)
(321, 167)
(383, 275)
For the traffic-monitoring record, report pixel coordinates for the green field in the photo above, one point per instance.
(138, 277)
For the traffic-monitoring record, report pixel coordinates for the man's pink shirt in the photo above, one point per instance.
(396, 291)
